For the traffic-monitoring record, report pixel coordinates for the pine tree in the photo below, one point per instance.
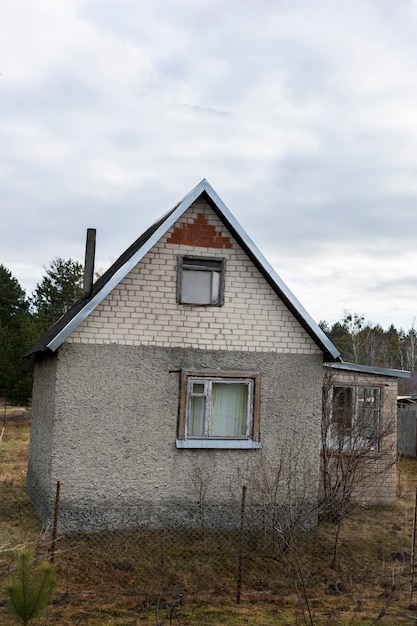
(31, 590)
(56, 293)
(16, 336)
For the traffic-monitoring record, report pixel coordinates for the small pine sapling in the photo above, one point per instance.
(31, 590)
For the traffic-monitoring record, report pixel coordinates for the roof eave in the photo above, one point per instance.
(369, 369)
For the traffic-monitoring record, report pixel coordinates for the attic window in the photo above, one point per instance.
(200, 281)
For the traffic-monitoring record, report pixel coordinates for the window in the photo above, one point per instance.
(355, 417)
(219, 410)
(200, 281)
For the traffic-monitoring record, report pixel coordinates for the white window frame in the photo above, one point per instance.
(214, 267)
(355, 441)
(251, 438)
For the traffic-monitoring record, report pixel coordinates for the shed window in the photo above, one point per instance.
(355, 417)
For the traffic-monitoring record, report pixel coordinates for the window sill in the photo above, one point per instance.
(219, 444)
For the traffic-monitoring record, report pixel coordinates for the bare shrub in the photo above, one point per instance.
(283, 493)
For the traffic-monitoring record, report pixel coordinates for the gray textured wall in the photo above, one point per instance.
(114, 436)
(40, 477)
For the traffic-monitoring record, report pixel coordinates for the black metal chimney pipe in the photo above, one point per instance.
(90, 253)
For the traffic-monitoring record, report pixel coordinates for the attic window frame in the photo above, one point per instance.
(251, 439)
(216, 266)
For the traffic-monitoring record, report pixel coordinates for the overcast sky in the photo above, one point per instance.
(302, 114)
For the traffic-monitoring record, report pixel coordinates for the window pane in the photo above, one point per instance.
(342, 414)
(196, 287)
(368, 412)
(198, 388)
(229, 410)
(215, 287)
(196, 416)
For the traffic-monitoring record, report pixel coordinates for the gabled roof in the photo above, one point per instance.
(54, 338)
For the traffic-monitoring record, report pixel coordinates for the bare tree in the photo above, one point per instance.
(408, 349)
(354, 325)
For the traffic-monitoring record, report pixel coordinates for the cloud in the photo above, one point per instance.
(301, 115)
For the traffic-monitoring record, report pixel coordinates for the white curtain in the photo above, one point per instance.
(229, 409)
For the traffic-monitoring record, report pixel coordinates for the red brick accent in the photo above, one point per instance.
(199, 233)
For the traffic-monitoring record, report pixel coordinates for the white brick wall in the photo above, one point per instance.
(142, 309)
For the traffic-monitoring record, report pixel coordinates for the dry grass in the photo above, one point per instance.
(18, 523)
(185, 578)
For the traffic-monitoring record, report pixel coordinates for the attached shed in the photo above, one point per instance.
(359, 428)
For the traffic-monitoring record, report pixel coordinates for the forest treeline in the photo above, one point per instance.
(24, 319)
(365, 343)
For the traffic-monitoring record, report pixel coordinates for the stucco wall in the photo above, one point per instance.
(115, 430)
(41, 436)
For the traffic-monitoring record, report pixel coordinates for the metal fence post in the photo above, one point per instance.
(241, 546)
(56, 517)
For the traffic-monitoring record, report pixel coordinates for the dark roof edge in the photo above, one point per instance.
(368, 369)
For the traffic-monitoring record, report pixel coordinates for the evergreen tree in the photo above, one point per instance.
(16, 336)
(12, 298)
(31, 590)
(338, 335)
(390, 349)
(56, 293)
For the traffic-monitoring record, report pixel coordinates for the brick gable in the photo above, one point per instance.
(199, 233)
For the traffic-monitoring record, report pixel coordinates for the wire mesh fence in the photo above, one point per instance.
(258, 569)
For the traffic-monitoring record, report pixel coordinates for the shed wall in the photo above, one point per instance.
(377, 482)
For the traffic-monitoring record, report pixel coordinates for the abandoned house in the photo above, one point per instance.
(187, 368)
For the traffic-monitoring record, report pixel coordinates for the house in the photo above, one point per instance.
(185, 371)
